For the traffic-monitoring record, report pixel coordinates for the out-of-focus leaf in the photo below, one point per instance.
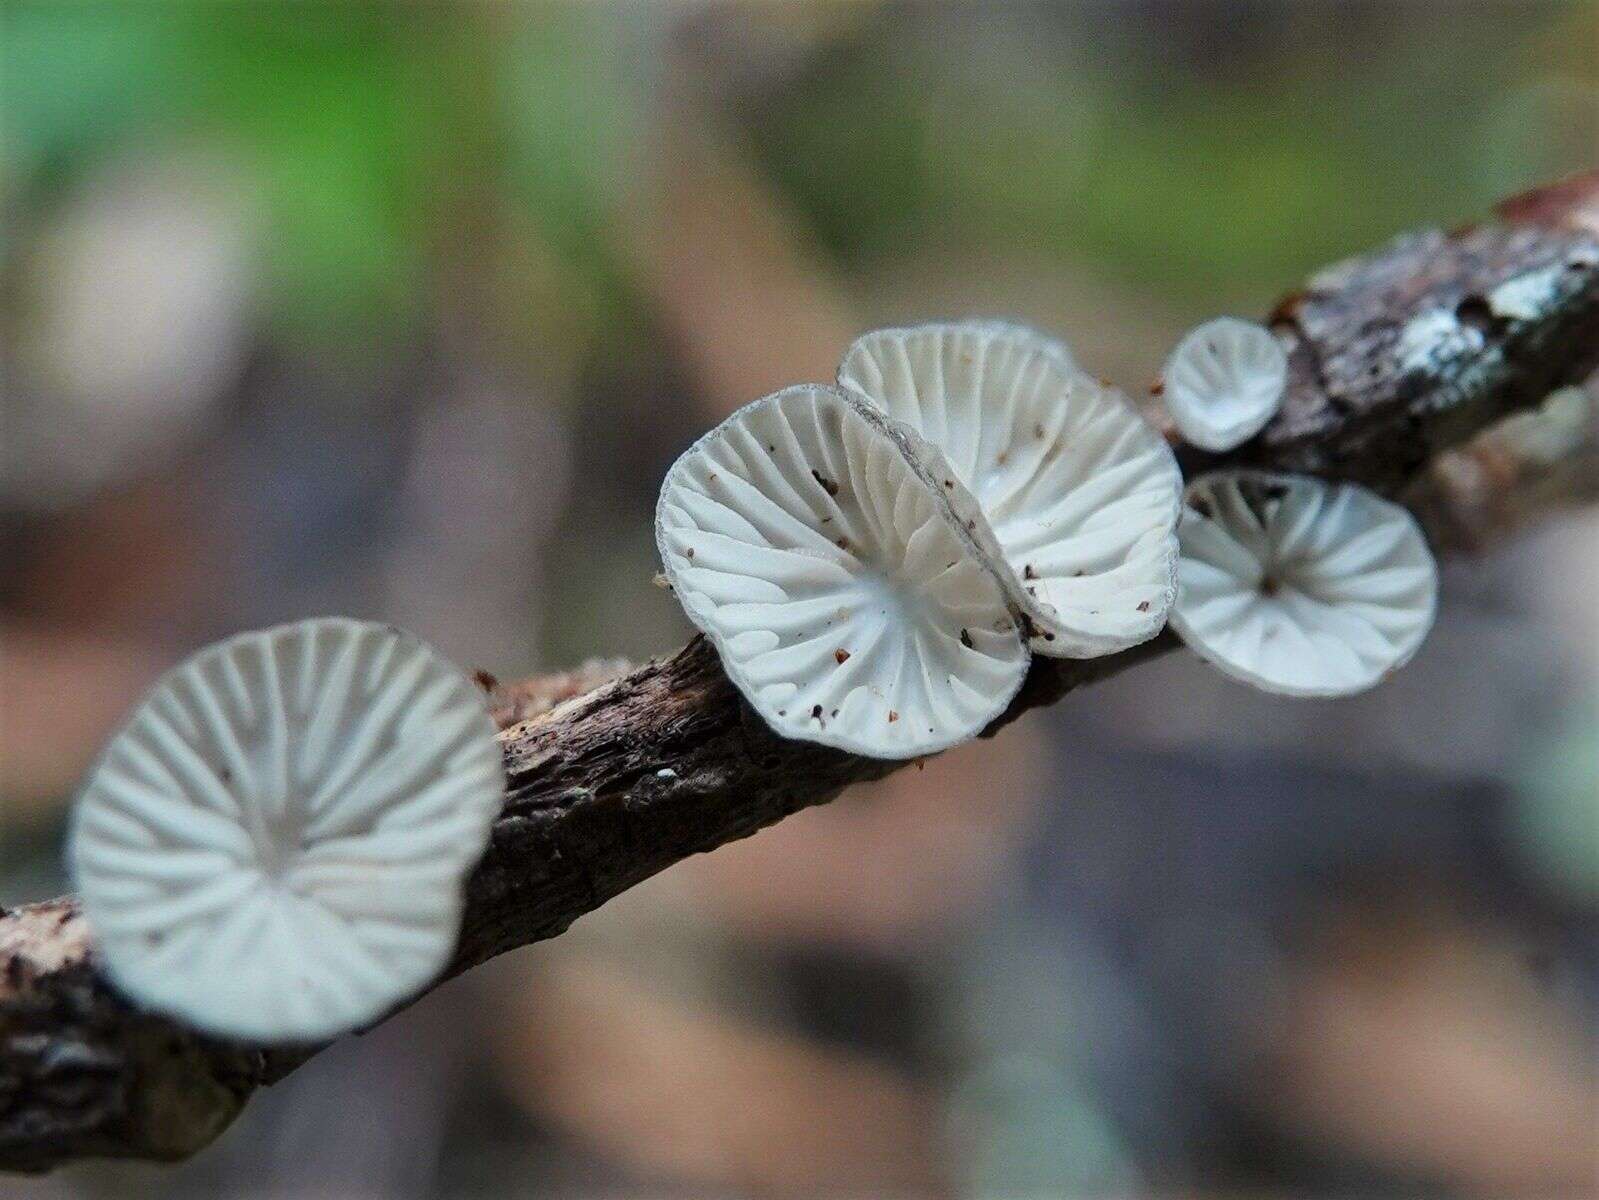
(1201, 183)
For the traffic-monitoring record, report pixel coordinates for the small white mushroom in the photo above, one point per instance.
(1224, 381)
(808, 537)
(273, 846)
(1077, 494)
(1299, 586)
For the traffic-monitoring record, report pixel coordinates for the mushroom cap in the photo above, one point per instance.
(1077, 494)
(1299, 586)
(273, 847)
(1224, 381)
(807, 537)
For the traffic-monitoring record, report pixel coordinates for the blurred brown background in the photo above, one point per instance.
(402, 310)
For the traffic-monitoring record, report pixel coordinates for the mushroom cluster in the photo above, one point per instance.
(875, 561)
(274, 845)
(1289, 583)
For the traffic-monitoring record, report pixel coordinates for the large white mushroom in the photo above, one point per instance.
(1299, 586)
(816, 545)
(1078, 494)
(1224, 381)
(274, 845)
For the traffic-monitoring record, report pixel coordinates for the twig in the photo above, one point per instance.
(1397, 356)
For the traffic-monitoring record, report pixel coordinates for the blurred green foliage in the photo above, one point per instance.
(1169, 172)
(313, 110)
(330, 121)
(365, 134)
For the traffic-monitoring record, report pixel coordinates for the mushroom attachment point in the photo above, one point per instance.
(1224, 381)
(1299, 586)
(822, 555)
(273, 847)
(1075, 493)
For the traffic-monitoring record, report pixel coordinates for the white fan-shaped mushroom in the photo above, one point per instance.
(1078, 494)
(273, 847)
(1300, 586)
(806, 536)
(1224, 381)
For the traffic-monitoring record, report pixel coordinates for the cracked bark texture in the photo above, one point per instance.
(1396, 357)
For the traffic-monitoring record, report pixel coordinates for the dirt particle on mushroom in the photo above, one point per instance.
(826, 484)
(892, 716)
(841, 656)
(966, 638)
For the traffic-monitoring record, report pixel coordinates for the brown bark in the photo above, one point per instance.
(609, 786)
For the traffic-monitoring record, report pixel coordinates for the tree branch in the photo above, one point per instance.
(1396, 357)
